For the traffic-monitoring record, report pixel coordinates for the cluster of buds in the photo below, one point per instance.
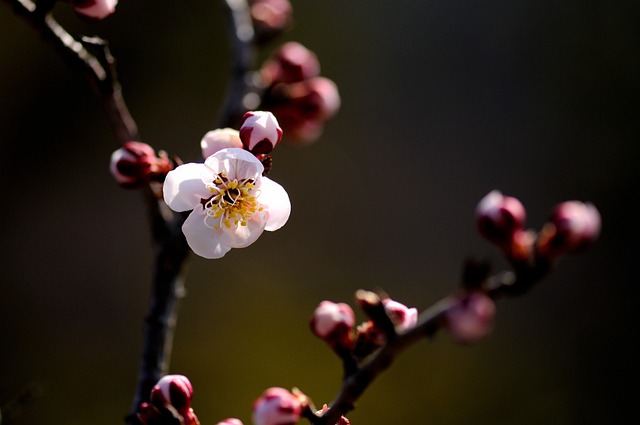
(573, 226)
(169, 403)
(335, 324)
(270, 18)
(296, 93)
(136, 164)
(94, 9)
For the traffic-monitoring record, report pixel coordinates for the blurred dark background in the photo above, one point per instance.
(443, 101)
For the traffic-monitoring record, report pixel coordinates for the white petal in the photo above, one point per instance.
(276, 201)
(236, 163)
(203, 240)
(243, 236)
(184, 188)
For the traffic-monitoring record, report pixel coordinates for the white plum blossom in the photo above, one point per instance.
(232, 202)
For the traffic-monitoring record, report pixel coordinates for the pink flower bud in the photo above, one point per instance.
(333, 322)
(134, 164)
(95, 9)
(303, 108)
(260, 132)
(291, 63)
(169, 403)
(499, 217)
(403, 317)
(174, 390)
(573, 226)
(270, 17)
(471, 319)
(219, 139)
(230, 421)
(277, 406)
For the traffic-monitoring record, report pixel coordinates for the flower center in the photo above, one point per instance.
(232, 204)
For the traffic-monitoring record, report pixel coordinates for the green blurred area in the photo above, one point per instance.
(443, 101)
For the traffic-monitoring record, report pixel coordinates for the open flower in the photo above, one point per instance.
(232, 202)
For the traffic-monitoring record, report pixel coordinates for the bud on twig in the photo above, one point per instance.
(260, 132)
(230, 421)
(136, 163)
(170, 401)
(573, 226)
(403, 317)
(334, 323)
(499, 217)
(219, 139)
(94, 9)
(471, 320)
(278, 406)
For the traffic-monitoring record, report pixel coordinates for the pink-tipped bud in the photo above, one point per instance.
(334, 323)
(573, 226)
(277, 406)
(303, 108)
(136, 163)
(471, 320)
(499, 217)
(230, 421)
(260, 132)
(270, 17)
(173, 390)
(95, 9)
(169, 403)
(403, 317)
(219, 139)
(291, 63)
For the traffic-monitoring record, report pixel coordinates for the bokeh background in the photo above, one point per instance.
(443, 101)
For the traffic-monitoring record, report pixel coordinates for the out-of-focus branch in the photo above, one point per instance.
(90, 56)
(239, 97)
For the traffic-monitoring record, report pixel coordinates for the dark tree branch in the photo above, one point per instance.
(90, 56)
(239, 97)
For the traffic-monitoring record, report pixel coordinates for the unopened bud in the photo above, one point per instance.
(260, 132)
(136, 163)
(471, 320)
(277, 406)
(303, 108)
(333, 322)
(169, 403)
(291, 63)
(174, 390)
(219, 139)
(95, 9)
(573, 226)
(230, 421)
(270, 17)
(499, 217)
(403, 317)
